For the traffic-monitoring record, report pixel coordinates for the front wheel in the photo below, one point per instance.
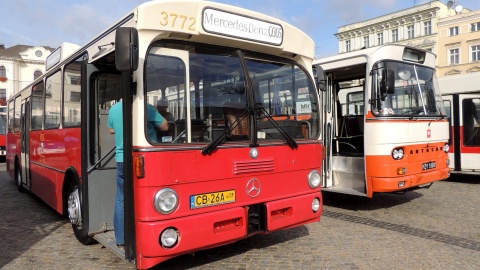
(76, 218)
(19, 179)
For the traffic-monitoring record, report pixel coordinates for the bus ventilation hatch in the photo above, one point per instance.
(257, 218)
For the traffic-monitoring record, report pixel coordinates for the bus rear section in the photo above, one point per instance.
(461, 97)
(385, 121)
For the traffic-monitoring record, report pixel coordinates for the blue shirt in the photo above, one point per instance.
(115, 121)
(155, 119)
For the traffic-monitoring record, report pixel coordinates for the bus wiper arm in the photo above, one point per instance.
(215, 143)
(288, 139)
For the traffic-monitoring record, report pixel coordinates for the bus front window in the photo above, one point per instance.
(402, 89)
(205, 88)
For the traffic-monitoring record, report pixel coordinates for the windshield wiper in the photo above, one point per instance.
(215, 143)
(288, 139)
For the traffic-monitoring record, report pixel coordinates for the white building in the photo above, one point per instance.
(20, 65)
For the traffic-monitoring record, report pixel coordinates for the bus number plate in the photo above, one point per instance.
(429, 165)
(210, 199)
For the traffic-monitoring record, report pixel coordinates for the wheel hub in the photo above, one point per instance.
(74, 210)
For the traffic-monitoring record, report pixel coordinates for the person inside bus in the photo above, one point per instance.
(115, 126)
(470, 116)
(162, 107)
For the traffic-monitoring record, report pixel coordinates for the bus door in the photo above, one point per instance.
(25, 149)
(328, 100)
(469, 106)
(448, 103)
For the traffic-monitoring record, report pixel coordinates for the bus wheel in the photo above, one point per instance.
(19, 179)
(76, 218)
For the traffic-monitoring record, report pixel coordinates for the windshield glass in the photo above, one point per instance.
(403, 89)
(227, 91)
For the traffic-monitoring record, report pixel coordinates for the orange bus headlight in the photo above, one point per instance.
(166, 201)
(314, 179)
(446, 148)
(398, 153)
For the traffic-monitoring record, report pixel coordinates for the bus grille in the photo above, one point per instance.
(266, 165)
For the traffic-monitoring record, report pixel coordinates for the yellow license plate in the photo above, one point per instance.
(210, 199)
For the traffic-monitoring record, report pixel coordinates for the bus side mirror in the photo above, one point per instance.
(320, 78)
(126, 49)
(387, 85)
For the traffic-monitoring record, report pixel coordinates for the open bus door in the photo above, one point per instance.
(24, 177)
(328, 128)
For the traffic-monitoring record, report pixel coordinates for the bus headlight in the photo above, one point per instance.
(166, 201)
(169, 237)
(446, 148)
(314, 179)
(397, 153)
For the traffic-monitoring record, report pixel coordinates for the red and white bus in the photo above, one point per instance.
(384, 122)
(242, 155)
(461, 98)
(3, 131)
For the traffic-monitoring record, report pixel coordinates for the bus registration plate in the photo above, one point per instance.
(429, 165)
(210, 199)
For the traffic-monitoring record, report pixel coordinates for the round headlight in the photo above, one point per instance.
(166, 201)
(169, 237)
(397, 153)
(315, 205)
(314, 179)
(446, 148)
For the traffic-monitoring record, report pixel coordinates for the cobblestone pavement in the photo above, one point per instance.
(436, 228)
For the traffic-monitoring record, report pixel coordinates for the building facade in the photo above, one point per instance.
(459, 44)
(415, 26)
(20, 65)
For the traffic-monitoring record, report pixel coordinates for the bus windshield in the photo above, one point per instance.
(221, 101)
(404, 89)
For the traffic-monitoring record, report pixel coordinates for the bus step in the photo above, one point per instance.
(107, 239)
(344, 190)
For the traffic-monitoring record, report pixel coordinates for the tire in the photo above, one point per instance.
(18, 179)
(76, 216)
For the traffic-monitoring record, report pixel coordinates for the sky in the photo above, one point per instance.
(51, 22)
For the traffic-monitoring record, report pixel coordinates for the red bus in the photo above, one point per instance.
(242, 155)
(3, 131)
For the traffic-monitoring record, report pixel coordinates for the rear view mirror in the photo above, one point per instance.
(126, 49)
(320, 78)
(387, 85)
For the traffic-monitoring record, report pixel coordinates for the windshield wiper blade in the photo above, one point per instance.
(215, 143)
(288, 139)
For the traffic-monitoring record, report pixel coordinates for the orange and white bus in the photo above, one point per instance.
(384, 122)
(461, 98)
(242, 155)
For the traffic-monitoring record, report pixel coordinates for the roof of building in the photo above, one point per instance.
(14, 51)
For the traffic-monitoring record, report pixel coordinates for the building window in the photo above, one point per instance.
(380, 39)
(37, 74)
(475, 53)
(3, 71)
(428, 27)
(454, 31)
(394, 35)
(454, 56)
(411, 32)
(366, 42)
(476, 27)
(3, 97)
(348, 46)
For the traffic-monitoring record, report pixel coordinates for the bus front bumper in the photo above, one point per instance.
(382, 184)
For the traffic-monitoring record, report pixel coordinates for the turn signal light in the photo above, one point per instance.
(401, 171)
(139, 166)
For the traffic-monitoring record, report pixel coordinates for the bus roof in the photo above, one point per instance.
(460, 84)
(390, 51)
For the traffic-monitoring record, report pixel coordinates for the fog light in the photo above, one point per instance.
(401, 170)
(315, 205)
(401, 184)
(169, 238)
